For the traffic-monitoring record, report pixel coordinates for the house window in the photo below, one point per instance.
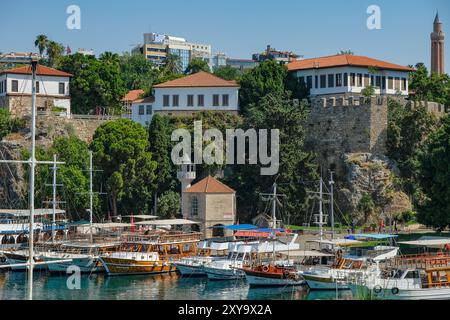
(397, 83)
(330, 80)
(194, 206)
(301, 81)
(215, 100)
(190, 100)
(37, 87)
(404, 84)
(366, 80)
(372, 80)
(338, 79)
(383, 83)
(345, 79)
(323, 81)
(5, 86)
(390, 83)
(166, 100)
(316, 82)
(360, 80)
(352, 79)
(15, 86)
(225, 100)
(141, 110)
(62, 88)
(378, 81)
(149, 109)
(309, 82)
(201, 100)
(175, 100)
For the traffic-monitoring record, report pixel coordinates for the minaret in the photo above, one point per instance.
(437, 47)
(186, 174)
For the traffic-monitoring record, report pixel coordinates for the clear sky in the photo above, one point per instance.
(237, 27)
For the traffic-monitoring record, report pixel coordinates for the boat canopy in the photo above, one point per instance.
(26, 212)
(237, 227)
(377, 236)
(168, 222)
(431, 242)
(219, 246)
(109, 225)
(142, 216)
(306, 253)
(337, 242)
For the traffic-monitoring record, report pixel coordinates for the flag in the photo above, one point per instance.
(132, 223)
(68, 50)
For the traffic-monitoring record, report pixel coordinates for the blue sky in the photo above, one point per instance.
(236, 27)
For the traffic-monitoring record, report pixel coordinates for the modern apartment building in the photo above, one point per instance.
(157, 46)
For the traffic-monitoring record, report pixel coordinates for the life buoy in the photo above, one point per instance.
(377, 289)
(265, 268)
(395, 291)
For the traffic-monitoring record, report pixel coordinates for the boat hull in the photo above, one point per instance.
(224, 274)
(316, 282)
(85, 264)
(189, 271)
(404, 294)
(259, 281)
(14, 258)
(117, 267)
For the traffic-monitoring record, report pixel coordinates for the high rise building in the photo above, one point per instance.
(157, 46)
(437, 47)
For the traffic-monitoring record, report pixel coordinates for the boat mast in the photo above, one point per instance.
(332, 204)
(32, 173)
(54, 199)
(274, 218)
(321, 209)
(90, 195)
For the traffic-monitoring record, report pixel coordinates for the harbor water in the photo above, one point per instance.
(159, 287)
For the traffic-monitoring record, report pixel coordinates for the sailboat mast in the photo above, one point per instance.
(332, 204)
(90, 195)
(54, 199)
(321, 209)
(32, 173)
(274, 217)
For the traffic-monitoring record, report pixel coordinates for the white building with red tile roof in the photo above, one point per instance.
(347, 74)
(52, 90)
(201, 91)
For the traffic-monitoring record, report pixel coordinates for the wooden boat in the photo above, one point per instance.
(272, 275)
(410, 284)
(140, 254)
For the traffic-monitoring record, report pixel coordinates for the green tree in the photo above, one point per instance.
(296, 164)
(368, 91)
(227, 73)
(427, 87)
(169, 205)
(366, 206)
(197, 65)
(54, 52)
(5, 123)
(267, 78)
(41, 43)
(172, 65)
(121, 149)
(434, 178)
(137, 72)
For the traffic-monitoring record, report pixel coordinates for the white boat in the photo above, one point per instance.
(207, 253)
(230, 268)
(409, 284)
(17, 260)
(85, 256)
(336, 276)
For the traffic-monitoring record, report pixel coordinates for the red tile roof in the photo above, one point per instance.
(132, 95)
(150, 99)
(40, 71)
(209, 185)
(199, 79)
(344, 60)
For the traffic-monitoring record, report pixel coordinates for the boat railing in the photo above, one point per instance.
(166, 238)
(421, 261)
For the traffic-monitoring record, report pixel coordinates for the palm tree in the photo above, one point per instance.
(173, 64)
(41, 42)
(54, 51)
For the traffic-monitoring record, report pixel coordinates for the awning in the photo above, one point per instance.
(306, 253)
(336, 242)
(142, 216)
(26, 212)
(435, 242)
(376, 236)
(109, 225)
(238, 227)
(168, 222)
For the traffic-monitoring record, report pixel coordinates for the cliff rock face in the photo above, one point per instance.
(373, 175)
(13, 185)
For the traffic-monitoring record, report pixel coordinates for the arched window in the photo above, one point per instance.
(194, 206)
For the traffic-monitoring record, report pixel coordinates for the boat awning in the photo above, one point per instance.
(238, 227)
(26, 212)
(306, 253)
(431, 242)
(168, 222)
(337, 242)
(257, 233)
(376, 236)
(142, 216)
(219, 246)
(109, 225)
